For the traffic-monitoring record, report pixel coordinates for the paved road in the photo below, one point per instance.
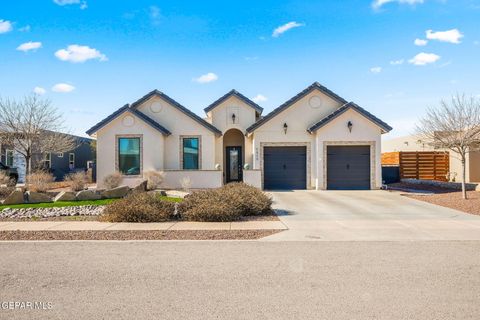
(243, 280)
(368, 215)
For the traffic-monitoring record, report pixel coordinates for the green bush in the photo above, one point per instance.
(227, 203)
(139, 207)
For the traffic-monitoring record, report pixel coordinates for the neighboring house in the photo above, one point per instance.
(59, 164)
(315, 140)
(416, 143)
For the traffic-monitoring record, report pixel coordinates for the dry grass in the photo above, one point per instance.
(39, 181)
(113, 180)
(77, 181)
(154, 179)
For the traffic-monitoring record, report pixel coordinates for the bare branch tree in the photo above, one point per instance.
(454, 125)
(31, 126)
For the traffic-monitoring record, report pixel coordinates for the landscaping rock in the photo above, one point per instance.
(142, 187)
(118, 192)
(176, 194)
(65, 196)
(160, 192)
(20, 213)
(37, 197)
(16, 197)
(87, 195)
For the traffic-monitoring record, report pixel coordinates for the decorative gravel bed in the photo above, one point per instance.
(137, 235)
(453, 200)
(28, 213)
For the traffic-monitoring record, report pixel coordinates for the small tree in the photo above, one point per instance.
(31, 126)
(454, 125)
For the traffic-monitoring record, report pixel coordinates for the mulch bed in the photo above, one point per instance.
(138, 235)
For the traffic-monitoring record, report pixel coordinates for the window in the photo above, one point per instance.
(9, 158)
(129, 156)
(190, 153)
(71, 161)
(60, 155)
(48, 160)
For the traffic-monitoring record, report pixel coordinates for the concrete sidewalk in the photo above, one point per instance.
(182, 225)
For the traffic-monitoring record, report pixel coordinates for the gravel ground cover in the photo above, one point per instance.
(137, 235)
(444, 197)
(29, 213)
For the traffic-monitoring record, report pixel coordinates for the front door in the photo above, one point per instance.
(234, 164)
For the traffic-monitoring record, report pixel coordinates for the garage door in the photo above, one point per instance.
(348, 167)
(285, 167)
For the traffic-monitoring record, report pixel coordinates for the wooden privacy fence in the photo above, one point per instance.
(423, 165)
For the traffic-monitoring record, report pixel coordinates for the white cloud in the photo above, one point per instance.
(25, 29)
(377, 4)
(39, 90)
(284, 28)
(66, 2)
(397, 62)
(155, 14)
(76, 53)
(27, 46)
(423, 58)
(420, 42)
(63, 87)
(376, 69)
(206, 78)
(451, 36)
(84, 5)
(259, 98)
(5, 26)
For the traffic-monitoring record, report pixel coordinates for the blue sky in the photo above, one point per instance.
(91, 57)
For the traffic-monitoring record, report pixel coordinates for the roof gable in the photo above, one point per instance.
(237, 94)
(176, 105)
(122, 110)
(347, 106)
(293, 100)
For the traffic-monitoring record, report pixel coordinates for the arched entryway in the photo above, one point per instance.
(233, 155)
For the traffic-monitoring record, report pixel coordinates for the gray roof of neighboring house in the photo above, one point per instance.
(139, 114)
(176, 105)
(344, 108)
(237, 94)
(294, 99)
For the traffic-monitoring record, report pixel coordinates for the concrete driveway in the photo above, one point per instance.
(368, 216)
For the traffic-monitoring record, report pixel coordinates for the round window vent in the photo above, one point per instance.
(156, 107)
(128, 121)
(315, 102)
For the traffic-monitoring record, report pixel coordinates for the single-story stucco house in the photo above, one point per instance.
(315, 140)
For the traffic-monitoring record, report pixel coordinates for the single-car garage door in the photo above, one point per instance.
(285, 167)
(348, 167)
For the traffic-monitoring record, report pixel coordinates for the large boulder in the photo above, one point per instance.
(87, 195)
(65, 196)
(16, 197)
(37, 197)
(141, 187)
(118, 192)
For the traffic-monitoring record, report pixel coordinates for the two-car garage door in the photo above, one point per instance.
(348, 167)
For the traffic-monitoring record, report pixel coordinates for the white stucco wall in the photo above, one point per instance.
(364, 132)
(151, 148)
(298, 118)
(200, 179)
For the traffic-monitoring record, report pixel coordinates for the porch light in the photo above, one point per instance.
(350, 126)
(233, 117)
(285, 127)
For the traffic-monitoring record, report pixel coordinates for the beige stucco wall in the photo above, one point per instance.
(253, 178)
(152, 147)
(417, 143)
(179, 124)
(298, 118)
(199, 179)
(364, 132)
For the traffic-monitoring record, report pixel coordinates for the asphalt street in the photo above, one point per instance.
(242, 280)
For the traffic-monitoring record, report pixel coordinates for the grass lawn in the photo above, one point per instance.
(101, 202)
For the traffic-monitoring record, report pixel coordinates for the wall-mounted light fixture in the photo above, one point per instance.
(350, 126)
(285, 127)
(233, 117)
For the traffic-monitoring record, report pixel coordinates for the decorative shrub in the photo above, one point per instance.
(227, 203)
(39, 181)
(154, 179)
(76, 181)
(186, 184)
(5, 192)
(113, 180)
(139, 207)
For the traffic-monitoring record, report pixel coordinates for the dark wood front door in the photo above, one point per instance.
(234, 164)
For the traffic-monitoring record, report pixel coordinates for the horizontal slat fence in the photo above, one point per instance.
(422, 165)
